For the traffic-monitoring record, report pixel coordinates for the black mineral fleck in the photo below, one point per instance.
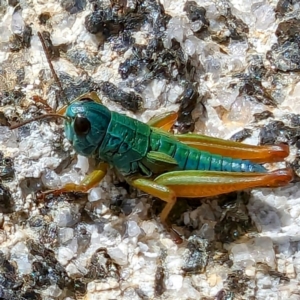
(13, 3)
(196, 13)
(6, 200)
(158, 62)
(130, 101)
(196, 258)
(235, 220)
(11, 97)
(102, 266)
(82, 59)
(263, 115)
(238, 29)
(253, 88)
(122, 42)
(46, 269)
(288, 30)
(233, 27)
(241, 135)
(238, 283)
(73, 87)
(110, 22)
(18, 42)
(7, 171)
(44, 17)
(73, 6)
(159, 281)
(295, 120)
(277, 132)
(3, 119)
(188, 100)
(284, 6)
(10, 283)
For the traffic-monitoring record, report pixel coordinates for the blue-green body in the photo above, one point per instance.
(133, 147)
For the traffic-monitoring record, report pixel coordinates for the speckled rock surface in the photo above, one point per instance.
(228, 67)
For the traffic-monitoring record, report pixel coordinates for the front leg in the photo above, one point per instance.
(88, 182)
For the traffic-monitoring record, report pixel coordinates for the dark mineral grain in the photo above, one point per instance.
(159, 281)
(285, 55)
(241, 135)
(102, 266)
(44, 17)
(11, 97)
(7, 171)
(73, 87)
(188, 101)
(197, 15)
(130, 101)
(6, 200)
(284, 6)
(263, 115)
(73, 6)
(110, 22)
(3, 119)
(235, 220)
(288, 30)
(277, 132)
(237, 28)
(18, 42)
(122, 43)
(295, 120)
(238, 284)
(197, 258)
(82, 59)
(253, 88)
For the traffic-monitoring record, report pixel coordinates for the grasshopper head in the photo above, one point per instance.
(86, 125)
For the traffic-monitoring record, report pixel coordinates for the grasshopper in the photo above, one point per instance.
(160, 163)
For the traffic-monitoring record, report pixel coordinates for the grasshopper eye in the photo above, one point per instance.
(82, 126)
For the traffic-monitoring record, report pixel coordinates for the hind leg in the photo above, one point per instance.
(164, 193)
(257, 154)
(196, 184)
(164, 121)
(193, 184)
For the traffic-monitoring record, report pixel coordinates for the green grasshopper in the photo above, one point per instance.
(157, 162)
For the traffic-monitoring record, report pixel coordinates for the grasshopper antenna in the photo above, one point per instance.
(51, 66)
(50, 115)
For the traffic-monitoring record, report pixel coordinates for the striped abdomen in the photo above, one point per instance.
(189, 158)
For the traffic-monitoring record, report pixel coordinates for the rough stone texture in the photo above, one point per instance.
(226, 66)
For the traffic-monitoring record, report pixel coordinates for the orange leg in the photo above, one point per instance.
(196, 184)
(164, 193)
(164, 121)
(86, 184)
(257, 154)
